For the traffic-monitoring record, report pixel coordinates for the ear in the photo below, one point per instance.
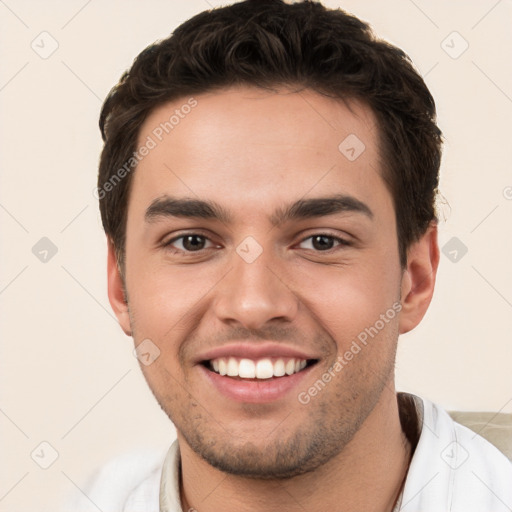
(418, 279)
(116, 292)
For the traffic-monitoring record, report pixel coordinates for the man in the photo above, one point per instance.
(267, 187)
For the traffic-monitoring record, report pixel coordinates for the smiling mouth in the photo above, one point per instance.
(259, 369)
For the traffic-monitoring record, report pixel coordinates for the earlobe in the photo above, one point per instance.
(116, 291)
(419, 279)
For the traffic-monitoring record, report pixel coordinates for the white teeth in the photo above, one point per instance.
(261, 369)
(264, 369)
(290, 367)
(223, 367)
(279, 368)
(247, 369)
(232, 370)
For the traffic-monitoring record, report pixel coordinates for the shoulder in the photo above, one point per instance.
(453, 468)
(468, 444)
(129, 482)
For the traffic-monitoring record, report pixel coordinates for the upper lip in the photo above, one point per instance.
(254, 350)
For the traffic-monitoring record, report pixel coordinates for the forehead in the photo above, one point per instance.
(248, 148)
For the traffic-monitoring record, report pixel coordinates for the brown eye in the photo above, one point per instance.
(323, 242)
(193, 242)
(190, 242)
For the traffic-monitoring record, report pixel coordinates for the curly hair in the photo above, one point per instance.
(269, 44)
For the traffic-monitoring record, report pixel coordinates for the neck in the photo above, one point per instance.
(367, 475)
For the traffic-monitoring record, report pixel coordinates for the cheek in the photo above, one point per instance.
(168, 386)
(347, 300)
(165, 300)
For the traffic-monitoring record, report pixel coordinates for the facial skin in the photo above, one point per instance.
(254, 153)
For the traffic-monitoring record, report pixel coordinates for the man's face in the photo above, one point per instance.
(279, 290)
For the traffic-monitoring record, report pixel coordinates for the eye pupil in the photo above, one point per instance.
(322, 242)
(193, 242)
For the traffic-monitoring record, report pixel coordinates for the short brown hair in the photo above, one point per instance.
(269, 43)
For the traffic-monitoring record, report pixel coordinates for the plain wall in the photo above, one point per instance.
(67, 372)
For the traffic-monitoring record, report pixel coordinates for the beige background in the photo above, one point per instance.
(68, 376)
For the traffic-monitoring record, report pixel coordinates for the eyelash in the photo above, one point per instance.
(341, 243)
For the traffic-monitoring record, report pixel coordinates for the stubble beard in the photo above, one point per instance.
(334, 417)
(328, 427)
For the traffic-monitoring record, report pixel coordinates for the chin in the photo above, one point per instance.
(302, 452)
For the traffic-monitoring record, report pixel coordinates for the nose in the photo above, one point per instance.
(255, 292)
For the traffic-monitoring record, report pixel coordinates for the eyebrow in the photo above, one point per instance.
(168, 206)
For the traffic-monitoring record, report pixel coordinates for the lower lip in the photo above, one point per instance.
(255, 391)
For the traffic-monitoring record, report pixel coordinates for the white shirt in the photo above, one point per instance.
(452, 470)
